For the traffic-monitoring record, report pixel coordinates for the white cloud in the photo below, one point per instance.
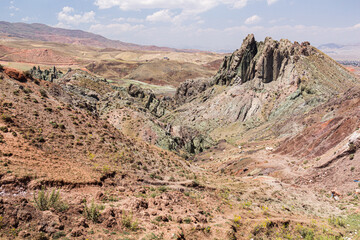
(253, 19)
(270, 2)
(204, 38)
(67, 9)
(13, 8)
(65, 18)
(240, 3)
(357, 26)
(188, 8)
(160, 16)
(196, 5)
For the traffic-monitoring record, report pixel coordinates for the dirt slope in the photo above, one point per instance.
(167, 72)
(38, 55)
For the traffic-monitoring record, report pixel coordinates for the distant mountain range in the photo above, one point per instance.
(330, 45)
(42, 32)
(349, 52)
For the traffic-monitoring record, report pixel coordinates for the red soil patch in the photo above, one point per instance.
(350, 69)
(319, 136)
(36, 56)
(15, 74)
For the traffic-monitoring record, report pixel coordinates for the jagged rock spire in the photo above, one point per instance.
(263, 60)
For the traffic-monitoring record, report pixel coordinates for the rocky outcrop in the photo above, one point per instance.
(47, 74)
(259, 90)
(191, 88)
(15, 74)
(136, 91)
(190, 139)
(262, 60)
(148, 99)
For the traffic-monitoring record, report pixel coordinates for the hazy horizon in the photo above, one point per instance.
(206, 25)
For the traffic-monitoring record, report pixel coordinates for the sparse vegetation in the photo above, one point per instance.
(93, 212)
(336, 221)
(45, 201)
(128, 222)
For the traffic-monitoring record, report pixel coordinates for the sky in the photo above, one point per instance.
(196, 24)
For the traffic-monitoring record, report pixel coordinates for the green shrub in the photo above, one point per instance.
(162, 189)
(54, 124)
(187, 220)
(93, 212)
(306, 233)
(336, 221)
(44, 201)
(128, 222)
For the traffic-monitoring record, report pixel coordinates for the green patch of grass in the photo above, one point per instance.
(162, 189)
(187, 220)
(353, 221)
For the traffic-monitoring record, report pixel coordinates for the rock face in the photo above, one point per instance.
(47, 74)
(263, 60)
(259, 89)
(190, 88)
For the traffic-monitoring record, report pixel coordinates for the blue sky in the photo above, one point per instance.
(201, 24)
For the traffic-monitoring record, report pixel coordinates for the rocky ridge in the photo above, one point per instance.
(261, 86)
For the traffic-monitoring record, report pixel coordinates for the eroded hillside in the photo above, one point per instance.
(259, 140)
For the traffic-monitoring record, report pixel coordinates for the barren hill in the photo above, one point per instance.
(42, 32)
(24, 45)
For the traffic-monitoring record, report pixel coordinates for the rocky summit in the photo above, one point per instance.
(266, 148)
(260, 87)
